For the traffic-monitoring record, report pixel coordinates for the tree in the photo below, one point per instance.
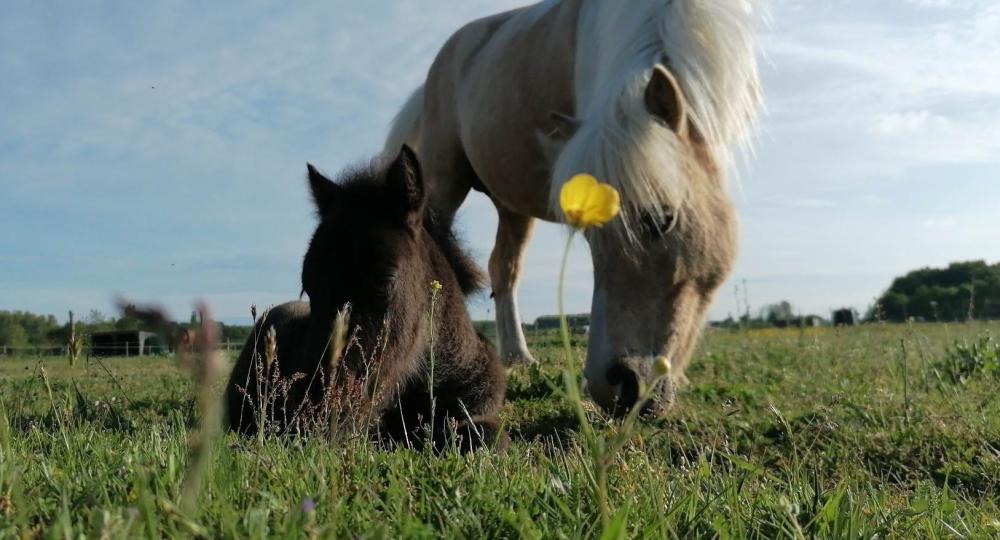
(95, 318)
(13, 335)
(961, 291)
(894, 306)
(19, 328)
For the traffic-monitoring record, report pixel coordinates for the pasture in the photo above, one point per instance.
(850, 433)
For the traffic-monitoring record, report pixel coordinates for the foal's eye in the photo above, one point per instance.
(658, 226)
(387, 284)
(390, 277)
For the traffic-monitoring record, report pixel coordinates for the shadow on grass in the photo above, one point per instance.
(556, 427)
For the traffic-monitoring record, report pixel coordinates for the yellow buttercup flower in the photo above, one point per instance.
(589, 203)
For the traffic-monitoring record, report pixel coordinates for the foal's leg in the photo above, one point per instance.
(469, 398)
(513, 233)
(468, 394)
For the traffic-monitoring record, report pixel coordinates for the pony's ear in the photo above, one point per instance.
(324, 191)
(405, 184)
(665, 100)
(557, 131)
(563, 126)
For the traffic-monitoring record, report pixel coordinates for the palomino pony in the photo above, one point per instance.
(651, 96)
(374, 251)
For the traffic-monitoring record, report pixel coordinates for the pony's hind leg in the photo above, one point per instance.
(513, 234)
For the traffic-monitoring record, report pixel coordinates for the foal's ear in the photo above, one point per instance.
(324, 191)
(665, 100)
(405, 185)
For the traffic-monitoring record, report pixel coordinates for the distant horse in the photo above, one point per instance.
(374, 251)
(651, 96)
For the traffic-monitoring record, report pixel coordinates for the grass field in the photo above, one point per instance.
(879, 431)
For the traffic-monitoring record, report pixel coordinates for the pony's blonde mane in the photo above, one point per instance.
(709, 46)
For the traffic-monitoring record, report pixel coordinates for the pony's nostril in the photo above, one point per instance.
(615, 374)
(627, 380)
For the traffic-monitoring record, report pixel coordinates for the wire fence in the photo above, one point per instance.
(132, 348)
(119, 350)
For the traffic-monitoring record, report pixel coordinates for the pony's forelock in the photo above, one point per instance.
(644, 160)
(712, 49)
(709, 46)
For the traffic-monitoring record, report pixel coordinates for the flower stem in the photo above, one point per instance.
(563, 325)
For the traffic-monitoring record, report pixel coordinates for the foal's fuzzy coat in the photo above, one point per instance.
(375, 251)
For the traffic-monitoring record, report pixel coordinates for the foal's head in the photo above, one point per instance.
(369, 251)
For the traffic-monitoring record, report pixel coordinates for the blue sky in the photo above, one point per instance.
(158, 150)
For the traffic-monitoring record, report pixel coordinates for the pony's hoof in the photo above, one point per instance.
(518, 358)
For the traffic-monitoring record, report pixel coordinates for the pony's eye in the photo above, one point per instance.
(658, 226)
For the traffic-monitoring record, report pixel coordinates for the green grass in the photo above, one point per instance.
(823, 433)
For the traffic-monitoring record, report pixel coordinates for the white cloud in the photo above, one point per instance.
(907, 123)
(813, 203)
(932, 3)
(941, 222)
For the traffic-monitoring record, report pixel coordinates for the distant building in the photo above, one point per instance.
(126, 343)
(724, 324)
(809, 321)
(846, 317)
(575, 322)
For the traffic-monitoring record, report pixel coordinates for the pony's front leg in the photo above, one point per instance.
(513, 233)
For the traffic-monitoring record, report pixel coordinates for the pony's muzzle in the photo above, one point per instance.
(627, 381)
(633, 377)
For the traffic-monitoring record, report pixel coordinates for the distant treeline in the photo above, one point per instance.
(23, 329)
(962, 291)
